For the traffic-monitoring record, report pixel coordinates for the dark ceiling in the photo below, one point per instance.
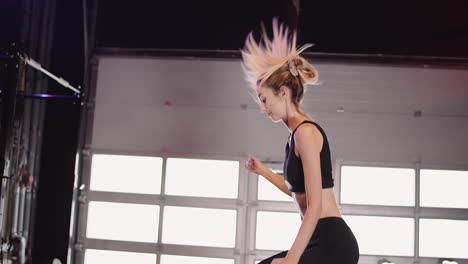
(415, 28)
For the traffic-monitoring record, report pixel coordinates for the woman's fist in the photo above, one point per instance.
(255, 165)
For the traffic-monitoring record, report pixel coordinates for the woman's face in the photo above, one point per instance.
(270, 103)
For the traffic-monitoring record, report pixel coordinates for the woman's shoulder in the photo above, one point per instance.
(306, 130)
(309, 127)
(308, 134)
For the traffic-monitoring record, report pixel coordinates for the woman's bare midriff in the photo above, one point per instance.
(329, 204)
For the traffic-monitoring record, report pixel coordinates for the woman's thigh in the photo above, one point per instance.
(308, 257)
(311, 256)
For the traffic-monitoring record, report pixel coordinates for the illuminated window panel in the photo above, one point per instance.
(199, 226)
(96, 256)
(444, 188)
(378, 235)
(202, 178)
(127, 174)
(377, 186)
(443, 238)
(173, 259)
(276, 230)
(268, 191)
(123, 221)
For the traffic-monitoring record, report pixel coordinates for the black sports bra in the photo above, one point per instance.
(293, 170)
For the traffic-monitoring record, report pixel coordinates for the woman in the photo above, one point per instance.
(278, 74)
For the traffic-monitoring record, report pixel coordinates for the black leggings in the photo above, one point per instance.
(333, 242)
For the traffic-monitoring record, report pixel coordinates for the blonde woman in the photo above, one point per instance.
(278, 74)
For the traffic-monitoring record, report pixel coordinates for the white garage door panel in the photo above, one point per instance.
(205, 116)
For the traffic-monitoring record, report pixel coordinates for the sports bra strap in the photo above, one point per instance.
(305, 121)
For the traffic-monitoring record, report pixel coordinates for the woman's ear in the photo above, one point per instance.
(283, 91)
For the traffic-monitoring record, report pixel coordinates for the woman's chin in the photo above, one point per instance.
(274, 119)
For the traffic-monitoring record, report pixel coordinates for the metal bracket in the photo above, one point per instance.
(82, 199)
(79, 247)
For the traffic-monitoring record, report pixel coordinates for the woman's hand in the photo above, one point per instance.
(283, 261)
(254, 165)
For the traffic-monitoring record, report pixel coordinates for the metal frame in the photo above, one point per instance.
(247, 207)
(86, 121)
(164, 200)
(415, 212)
(23, 137)
(39, 38)
(432, 62)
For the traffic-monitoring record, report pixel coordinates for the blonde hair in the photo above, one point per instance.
(276, 62)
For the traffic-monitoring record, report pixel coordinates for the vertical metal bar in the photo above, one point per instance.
(89, 87)
(15, 207)
(29, 35)
(27, 213)
(417, 210)
(41, 35)
(252, 214)
(83, 163)
(159, 248)
(6, 124)
(5, 228)
(21, 213)
(242, 217)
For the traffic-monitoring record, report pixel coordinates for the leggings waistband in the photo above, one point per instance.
(331, 219)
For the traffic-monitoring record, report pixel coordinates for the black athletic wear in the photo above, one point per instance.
(293, 170)
(332, 242)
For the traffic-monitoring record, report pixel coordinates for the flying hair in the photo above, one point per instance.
(268, 56)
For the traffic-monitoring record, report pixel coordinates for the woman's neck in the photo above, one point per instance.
(294, 121)
(294, 116)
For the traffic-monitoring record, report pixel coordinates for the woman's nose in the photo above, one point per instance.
(262, 108)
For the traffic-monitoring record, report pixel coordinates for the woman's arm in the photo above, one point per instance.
(277, 180)
(254, 165)
(308, 143)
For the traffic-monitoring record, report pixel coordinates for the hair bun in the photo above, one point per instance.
(292, 67)
(307, 72)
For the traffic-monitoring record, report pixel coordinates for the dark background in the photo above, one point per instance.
(409, 28)
(29, 24)
(417, 28)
